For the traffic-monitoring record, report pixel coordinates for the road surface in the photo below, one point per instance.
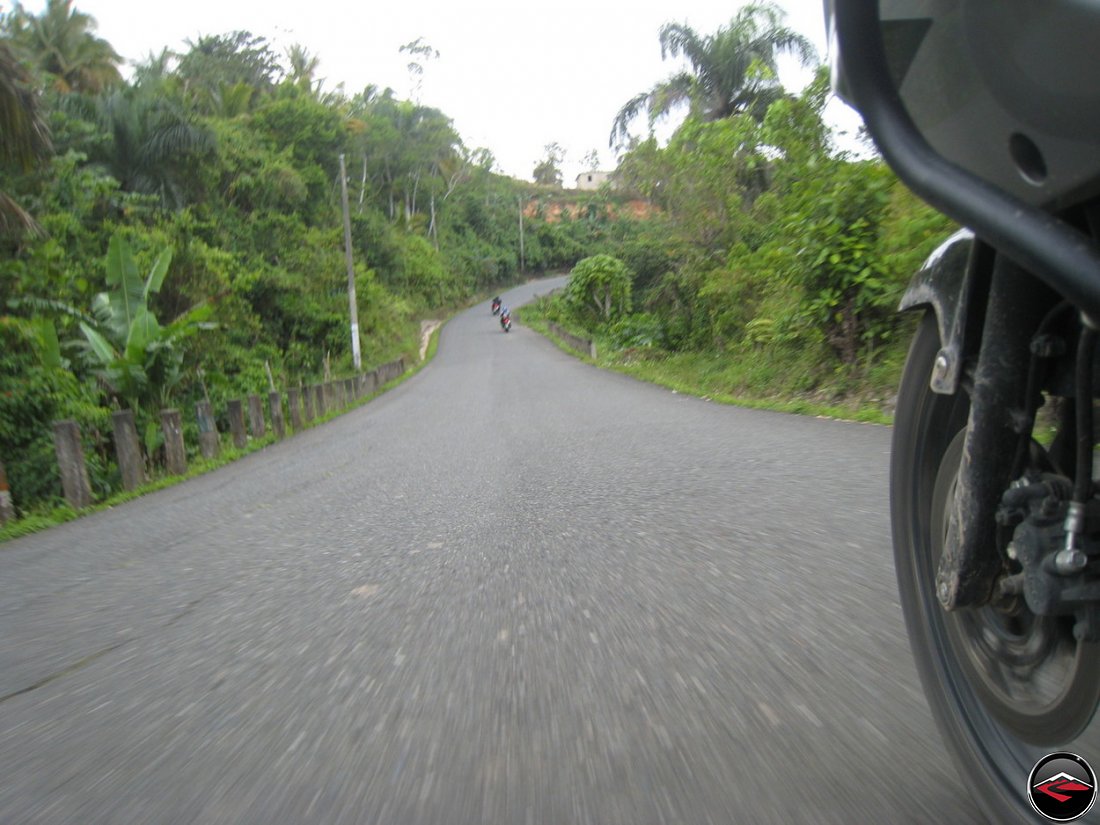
(515, 589)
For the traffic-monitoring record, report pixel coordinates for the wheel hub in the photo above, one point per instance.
(1029, 671)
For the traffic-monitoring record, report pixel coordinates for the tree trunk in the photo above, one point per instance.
(432, 231)
(363, 184)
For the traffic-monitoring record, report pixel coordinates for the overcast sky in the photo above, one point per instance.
(512, 76)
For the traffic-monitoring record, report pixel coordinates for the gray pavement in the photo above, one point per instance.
(515, 589)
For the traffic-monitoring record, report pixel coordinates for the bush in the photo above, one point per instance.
(599, 290)
(640, 330)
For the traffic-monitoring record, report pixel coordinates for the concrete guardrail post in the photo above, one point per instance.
(209, 444)
(307, 403)
(128, 450)
(70, 461)
(275, 405)
(175, 454)
(235, 408)
(7, 509)
(294, 404)
(256, 416)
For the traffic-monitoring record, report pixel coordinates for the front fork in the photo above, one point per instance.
(972, 562)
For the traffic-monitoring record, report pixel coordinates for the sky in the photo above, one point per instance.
(513, 77)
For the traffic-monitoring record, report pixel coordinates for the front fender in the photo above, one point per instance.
(944, 283)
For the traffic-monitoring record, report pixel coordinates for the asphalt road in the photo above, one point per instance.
(515, 589)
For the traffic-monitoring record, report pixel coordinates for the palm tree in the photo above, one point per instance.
(61, 41)
(152, 142)
(303, 68)
(732, 70)
(24, 136)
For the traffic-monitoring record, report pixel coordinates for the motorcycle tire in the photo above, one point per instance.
(993, 761)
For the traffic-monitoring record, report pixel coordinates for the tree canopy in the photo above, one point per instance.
(731, 71)
(227, 153)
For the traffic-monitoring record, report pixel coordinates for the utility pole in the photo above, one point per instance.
(519, 201)
(354, 310)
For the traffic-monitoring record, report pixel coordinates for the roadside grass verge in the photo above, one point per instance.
(766, 379)
(46, 517)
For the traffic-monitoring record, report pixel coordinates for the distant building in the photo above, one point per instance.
(592, 180)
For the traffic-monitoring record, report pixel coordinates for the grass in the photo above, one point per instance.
(45, 518)
(764, 379)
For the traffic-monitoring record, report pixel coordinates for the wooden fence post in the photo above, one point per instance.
(70, 461)
(175, 454)
(319, 394)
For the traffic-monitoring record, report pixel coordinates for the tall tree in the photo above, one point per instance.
(303, 68)
(62, 42)
(417, 49)
(152, 141)
(732, 71)
(24, 137)
(216, 66)
(547, 171)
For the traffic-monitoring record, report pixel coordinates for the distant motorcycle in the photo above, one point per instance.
(496, 306)
(506, 320)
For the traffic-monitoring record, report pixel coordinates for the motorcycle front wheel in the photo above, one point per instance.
(1005, 690)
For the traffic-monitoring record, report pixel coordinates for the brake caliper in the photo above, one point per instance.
(1054, 580)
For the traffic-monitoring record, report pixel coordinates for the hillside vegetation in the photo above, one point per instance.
(773, 266)
(178, 236)
(206, 189)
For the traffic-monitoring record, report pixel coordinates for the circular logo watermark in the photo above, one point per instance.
(1062, 786)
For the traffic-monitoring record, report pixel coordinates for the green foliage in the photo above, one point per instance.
(221, 65)
(733, 71)
(138, 360)
(599, 289)
(547, 172)
(32, 396)
(637, 331)
(61, 42)
(772, 248)
(213, 154)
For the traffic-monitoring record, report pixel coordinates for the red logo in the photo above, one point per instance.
(1062, 787)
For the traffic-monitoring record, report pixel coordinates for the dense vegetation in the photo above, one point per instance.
(207, 189)
(178, 235)
(776, 262)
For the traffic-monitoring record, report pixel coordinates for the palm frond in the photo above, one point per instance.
(620, 126)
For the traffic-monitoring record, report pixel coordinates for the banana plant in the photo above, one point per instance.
(139, 360)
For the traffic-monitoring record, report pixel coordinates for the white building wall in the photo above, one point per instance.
(592, 180)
